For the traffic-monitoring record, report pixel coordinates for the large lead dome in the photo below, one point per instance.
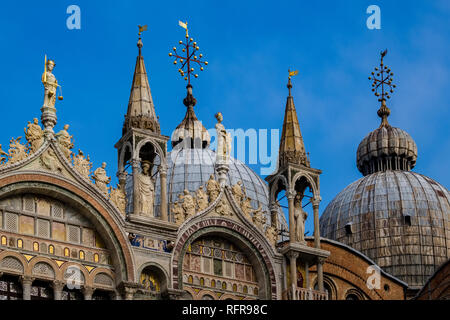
(398, 218)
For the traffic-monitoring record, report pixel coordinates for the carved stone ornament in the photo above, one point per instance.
(223, 208)
(238, 193)
(119, 198)
(34, 135)
(101, 179)
(247, 208)
(212, 188)
(201, 199)
(272, 235)
(65, 141)
(259, 220)
(17, 151)
(82, 165)
(178, 212)
(188, 204)
(50, 162)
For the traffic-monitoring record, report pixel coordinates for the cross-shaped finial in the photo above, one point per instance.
(190, 49)
(383, 87)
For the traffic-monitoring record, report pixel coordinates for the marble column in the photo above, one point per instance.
(87, 292)
(58, 287)
(293, 268)
(320, 262)
(315, 202)
(307, 283)
(290, 196)
(129, 293)
(26, 287)
(163, 184)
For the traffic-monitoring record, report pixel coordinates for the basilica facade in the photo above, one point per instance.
(194, 223)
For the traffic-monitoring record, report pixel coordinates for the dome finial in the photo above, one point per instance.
(382, 87)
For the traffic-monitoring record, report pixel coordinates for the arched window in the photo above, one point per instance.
(19, 243)
(191, 279)
(224, 285)
(245, 289)
(96, 257)
(213, 283)
(4, 241)
(35, 246)
(234, 287)
(81, 254)
(51, 249)
(66, 252)
(202, 281)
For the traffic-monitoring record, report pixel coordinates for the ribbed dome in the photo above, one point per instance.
(386, 148)
(191, 168)
(397, 218)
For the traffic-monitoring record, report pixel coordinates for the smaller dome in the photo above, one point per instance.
(386, 148)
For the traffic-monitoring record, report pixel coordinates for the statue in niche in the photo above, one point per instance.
(299, 218)
(101, 179)
(50, 84)
(272, 235)
(259, 220)
(247, 208)
(188, 204)
(146, 189)
(212, 188)
(34, 135)
(50, 161)
(201, 198)
(223, 141)
(238, 194)
(82, 165)
(65, 141)
(119, 198)
(17, 151)
(178, 212)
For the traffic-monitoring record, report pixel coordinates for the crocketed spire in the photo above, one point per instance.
(292, 148)
(141, 110)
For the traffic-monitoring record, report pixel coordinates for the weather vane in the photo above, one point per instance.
(291, 74)
(190, 50)
(382, 87)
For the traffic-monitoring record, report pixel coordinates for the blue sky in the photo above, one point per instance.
(249, 46)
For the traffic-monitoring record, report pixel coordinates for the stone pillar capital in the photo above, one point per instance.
(58, 285)
(316, 200)
(163, 169)
(26, 280)
(290, 194)
(292, 255)
(321, 260)
(135, 163)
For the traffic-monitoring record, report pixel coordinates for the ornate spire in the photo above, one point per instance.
(141, 110)
(292, 148)
(382, 87)
(190, 130)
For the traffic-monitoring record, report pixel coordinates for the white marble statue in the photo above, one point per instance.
(34, 135)
(101, 179)
(299, 218)
(223, 141)
(146, 189)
